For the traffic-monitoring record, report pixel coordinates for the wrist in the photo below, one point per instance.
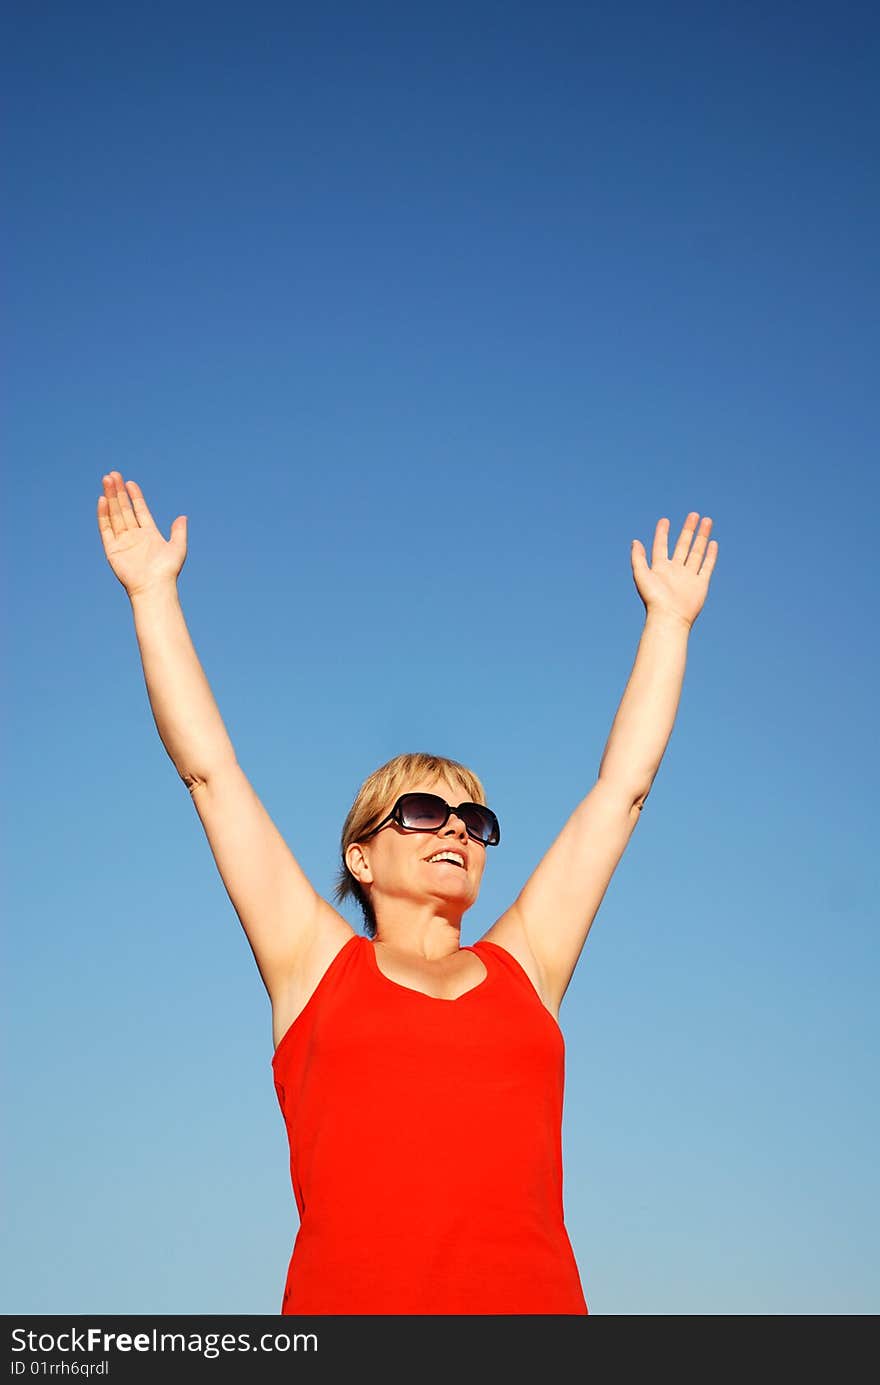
(160, 590)
(668, 619)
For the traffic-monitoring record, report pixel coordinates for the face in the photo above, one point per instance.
(396, 862)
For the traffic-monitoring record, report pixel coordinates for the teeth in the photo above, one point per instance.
(446, 856)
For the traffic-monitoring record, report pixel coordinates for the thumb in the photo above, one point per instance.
(637, 552)
(178, 530)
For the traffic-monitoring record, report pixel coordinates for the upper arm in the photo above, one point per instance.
(279, 909)
(554, 911)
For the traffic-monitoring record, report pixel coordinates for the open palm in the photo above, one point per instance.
(676, 586)
(133, 545)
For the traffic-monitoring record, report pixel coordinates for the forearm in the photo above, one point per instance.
(647, 711)
(186, 714)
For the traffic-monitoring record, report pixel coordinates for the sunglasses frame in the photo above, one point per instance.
(396, 815)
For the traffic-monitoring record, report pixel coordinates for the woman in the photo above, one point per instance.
(421, 1081)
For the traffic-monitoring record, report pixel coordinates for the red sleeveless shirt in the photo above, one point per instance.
(426, 1145)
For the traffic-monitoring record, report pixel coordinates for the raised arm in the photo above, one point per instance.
(280, 911)
(549, 921)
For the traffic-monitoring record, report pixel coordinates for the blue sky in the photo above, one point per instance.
(409, 308)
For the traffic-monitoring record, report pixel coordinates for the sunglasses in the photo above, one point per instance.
(427, 812)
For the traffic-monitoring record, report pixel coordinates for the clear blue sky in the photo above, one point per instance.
(409, 308)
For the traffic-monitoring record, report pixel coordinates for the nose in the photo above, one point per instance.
(454, 824)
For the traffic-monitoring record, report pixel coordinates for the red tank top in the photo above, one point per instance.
(426, 1145)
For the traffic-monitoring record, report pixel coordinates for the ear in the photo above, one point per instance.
(358, 865)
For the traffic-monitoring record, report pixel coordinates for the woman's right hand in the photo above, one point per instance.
(135, 549)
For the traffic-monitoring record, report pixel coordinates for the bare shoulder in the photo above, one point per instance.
(326, 940)
(508, 932)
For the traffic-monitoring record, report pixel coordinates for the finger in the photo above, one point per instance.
(661, 534)
(104, 525)
(124, 513)
(141, 509)
(695, 557)
(709, 565)
(116, 525)
(684, 538)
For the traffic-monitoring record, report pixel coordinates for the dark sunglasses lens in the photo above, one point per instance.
(422, 810)
(481, 823)
(427, 811)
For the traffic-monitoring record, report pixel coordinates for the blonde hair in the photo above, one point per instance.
(376, 797)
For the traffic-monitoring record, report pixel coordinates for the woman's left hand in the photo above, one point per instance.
(676, 586)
